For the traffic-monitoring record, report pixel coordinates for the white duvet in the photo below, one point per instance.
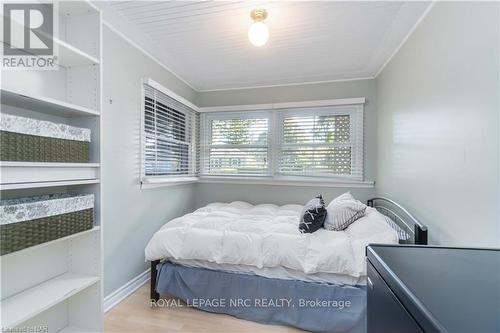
(267, 235)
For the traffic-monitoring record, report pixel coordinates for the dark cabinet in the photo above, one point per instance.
(433, 289)
(386, 313)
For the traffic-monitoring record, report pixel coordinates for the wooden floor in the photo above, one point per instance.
(135, 315)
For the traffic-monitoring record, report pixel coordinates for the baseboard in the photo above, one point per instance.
(124, 291)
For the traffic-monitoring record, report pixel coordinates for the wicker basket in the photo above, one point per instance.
(31, 221)
(31, 140)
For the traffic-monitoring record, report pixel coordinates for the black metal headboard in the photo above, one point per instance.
(404, 219)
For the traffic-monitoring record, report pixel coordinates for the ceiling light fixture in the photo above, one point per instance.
(258, 34)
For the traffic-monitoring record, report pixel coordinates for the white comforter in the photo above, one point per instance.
(268, 236)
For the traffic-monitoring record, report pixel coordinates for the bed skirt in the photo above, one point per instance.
(316, 307)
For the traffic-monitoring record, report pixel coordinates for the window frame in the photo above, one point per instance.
(206, 134)
(152, 181)
(273, 179)
(275, 132)
(355, 113)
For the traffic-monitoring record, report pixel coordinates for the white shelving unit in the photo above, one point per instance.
(45, 104)
(77, 78)
(29, 303)
(29, 174)
(71, 56)
(58, 284)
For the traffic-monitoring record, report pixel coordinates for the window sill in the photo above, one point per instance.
(155, 182)
(341, 183)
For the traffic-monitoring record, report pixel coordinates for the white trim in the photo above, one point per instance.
(252, 180)
(126, 290)
(285, 105)
(235, 108)
(143, 131)
(158, 86)
(412, 30)
(323, 182)
(319, 103)
(154, 182)
(290, 84)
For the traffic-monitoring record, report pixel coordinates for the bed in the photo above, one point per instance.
(251, 262)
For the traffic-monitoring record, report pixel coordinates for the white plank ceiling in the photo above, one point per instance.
(206, 43)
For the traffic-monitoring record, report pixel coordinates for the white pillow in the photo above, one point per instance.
(342, 211)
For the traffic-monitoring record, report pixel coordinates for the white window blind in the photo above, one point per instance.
(321, 142)
(235, 144)
(169, 136)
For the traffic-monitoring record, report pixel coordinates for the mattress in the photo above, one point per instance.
(267, 237)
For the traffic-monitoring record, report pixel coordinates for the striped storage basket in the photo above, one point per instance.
(31, 221)
(32, 140)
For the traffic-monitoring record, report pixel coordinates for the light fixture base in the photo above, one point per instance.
(258, 15)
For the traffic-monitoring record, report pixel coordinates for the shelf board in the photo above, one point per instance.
(70, 56)
(62, 239)
(20, 174)
(27, 304)
(45, 104)
(17, 186)
(76, 329)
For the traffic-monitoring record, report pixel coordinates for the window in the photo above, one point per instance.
(321, 142)
(235, 144)
(169, 136)
(288, 143)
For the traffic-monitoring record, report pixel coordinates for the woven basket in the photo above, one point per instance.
(31, 221)
(31, 140)
(18, 236)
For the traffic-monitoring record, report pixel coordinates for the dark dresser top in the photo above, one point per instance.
(445, 289)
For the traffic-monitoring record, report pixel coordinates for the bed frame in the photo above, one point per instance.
(387, 207)
(404, 219)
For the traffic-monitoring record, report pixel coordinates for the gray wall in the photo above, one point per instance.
(286, 194)
(438, 122)
(131, 215)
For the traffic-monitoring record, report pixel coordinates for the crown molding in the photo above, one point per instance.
(290, 84)
(284, 105)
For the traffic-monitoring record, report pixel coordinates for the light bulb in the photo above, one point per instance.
(258, 34)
